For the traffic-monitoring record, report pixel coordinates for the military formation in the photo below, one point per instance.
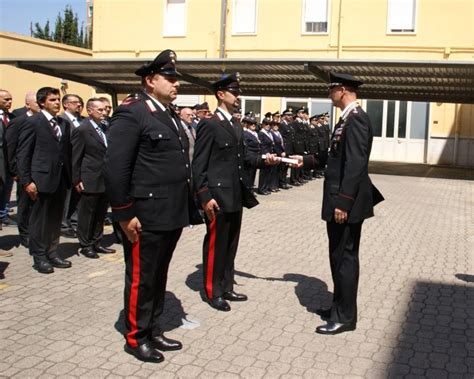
(161, 169)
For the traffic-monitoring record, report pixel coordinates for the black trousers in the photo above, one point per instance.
(344, 242)
(219, 251)
(91, 214)
(282, 175)
(146, 273)
(25, 205)
(45, 223)
(264, 179)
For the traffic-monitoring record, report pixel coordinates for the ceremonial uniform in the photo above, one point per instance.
(288, 134)
(267, 146)
(252, 143)
(148, 176)
(347, 187)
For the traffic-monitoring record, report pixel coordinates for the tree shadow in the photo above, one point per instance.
(172, 317)
(436, 337)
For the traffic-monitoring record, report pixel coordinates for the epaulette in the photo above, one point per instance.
(131, 99)
(219, 116)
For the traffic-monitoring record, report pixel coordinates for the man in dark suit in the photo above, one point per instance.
(349, 198)
(25, 203)
(5, 117)
(44, 169)
(218, 164)
(89, 145)
(148, 182)
(30, 101)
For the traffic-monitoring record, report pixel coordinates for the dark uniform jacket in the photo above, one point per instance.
(4, 163)
(220, 155)
(299, 142)
(10, 141)
(253, 144)
(288, 134)
(278, 143)
(147, 171)
(88, 152)
(314, 143)
(347, 185)
(266, 143)
(41, 158)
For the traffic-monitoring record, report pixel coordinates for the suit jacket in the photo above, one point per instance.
(220, 155)
(20, 111)
(11, 142)
(147, 171)
(88, 152)
(347, 184)
(3, 148)
(41, 158)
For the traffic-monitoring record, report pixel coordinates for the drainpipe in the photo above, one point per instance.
(223, 28)
(339, 31)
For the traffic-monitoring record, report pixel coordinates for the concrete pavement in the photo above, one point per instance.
(416, 296)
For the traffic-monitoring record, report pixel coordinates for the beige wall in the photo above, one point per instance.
(19, 81)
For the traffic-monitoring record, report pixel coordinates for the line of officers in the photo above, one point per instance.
(289, 133)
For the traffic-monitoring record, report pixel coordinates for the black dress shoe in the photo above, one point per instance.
(165, 344)
(233, 296)
(145, 353)
(104, 250)
(7, 221)
(263, 193)
(334, 328)
(325, 314)
(60, 263)
(43, 267)
(89, 252)
(219, 303)
(295, 184)
(285, 187)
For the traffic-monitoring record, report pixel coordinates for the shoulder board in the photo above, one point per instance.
(354, 111)
(219, 116)
(151, 107)
(131, 99)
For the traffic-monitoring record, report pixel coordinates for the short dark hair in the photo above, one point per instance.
(68, 96)
(43, 93)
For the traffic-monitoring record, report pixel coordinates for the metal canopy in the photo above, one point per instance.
(434, 81)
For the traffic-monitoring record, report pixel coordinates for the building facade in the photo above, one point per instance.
(405, 30)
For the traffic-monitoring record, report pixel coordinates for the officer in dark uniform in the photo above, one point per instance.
(267, 145)
(148, 180)
(349, 198)
(324, 139)
(253, 149)
(299, 144)
(314, 142)
(288, 134)
(218, 164)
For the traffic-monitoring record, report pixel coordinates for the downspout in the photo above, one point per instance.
(339, 31)
(223, 28)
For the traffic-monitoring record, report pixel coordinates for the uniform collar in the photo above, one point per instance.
(226, 114)
(348, 109)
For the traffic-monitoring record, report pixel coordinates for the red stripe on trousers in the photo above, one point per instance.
(132, 306)
(210, 257)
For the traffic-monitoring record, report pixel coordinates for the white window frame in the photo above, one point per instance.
(303, 21)
(401, 32)
(244, 104)
(166, 33)
(234, 15)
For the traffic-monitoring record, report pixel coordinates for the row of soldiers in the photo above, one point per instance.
(285, 134)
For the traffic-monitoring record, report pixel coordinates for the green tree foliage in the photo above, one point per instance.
(66, 30)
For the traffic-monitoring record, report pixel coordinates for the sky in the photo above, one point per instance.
(16, 15)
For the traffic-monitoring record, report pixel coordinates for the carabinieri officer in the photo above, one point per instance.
(148, 181)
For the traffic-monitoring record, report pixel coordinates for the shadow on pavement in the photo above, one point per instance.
(437, 338)
(68, 249)
(9, 242)
(3, 267)
(465, 278)
(421, 170)
(172, 317)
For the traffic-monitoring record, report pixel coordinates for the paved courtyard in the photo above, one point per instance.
(416, 295)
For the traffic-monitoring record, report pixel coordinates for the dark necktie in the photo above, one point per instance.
(5, 119)
(56, 128)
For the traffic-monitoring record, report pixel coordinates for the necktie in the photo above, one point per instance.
(102, 135)
(5, 119)
(56, 128)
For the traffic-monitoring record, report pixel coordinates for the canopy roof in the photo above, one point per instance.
(434, 81)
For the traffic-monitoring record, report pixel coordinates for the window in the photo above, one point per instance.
(244, 21)
(252, 104)
(375, 112)
(315, 16)
(174, 20)
(401, 16)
